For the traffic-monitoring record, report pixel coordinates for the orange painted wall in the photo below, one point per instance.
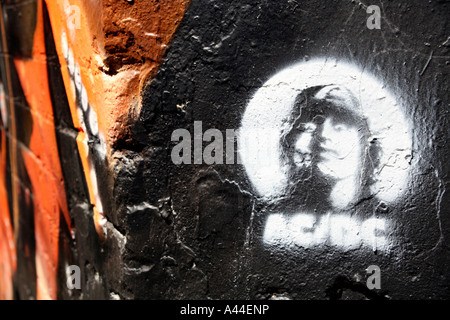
(94, 61)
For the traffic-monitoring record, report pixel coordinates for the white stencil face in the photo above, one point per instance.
(340, 150)
(330, 134)
(266, 116)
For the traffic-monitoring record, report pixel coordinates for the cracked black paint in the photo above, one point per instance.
(194, 231)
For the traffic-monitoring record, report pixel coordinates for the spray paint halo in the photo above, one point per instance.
(267, 113)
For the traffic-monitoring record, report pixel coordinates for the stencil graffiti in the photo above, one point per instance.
(317, 139)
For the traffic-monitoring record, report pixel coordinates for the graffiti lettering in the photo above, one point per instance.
(91, 138)
(306, 230)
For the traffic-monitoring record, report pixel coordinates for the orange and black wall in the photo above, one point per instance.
(87, 114)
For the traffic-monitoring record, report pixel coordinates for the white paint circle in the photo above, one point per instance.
(268, 110)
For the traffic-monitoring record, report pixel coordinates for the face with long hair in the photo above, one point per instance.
(326, 147)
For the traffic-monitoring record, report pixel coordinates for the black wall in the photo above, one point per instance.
(195, 231)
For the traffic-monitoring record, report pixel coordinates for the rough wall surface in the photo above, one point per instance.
(88, 176)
